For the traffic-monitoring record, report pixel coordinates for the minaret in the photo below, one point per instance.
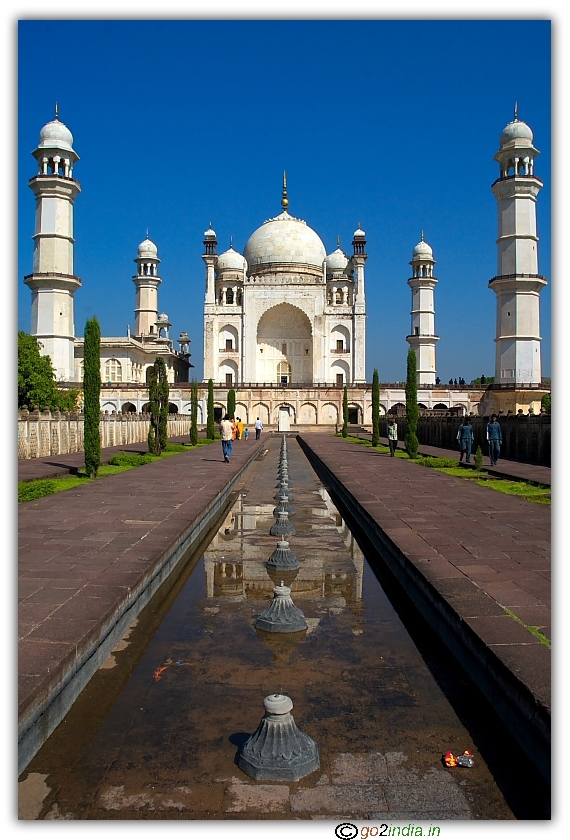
(147, 282)
(359, 258)
(517, 284)
(210, 257)
(423, 337)
(53, 282)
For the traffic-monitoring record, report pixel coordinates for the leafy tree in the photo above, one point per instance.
(546, 403)
(164, 397)
(194, 413)
(345, 413)
(484, 380)
(36, 379)
(159, 395)
(91, 395)
(210, 427)
(232, 403)
(412, 412)
(154, 399)
(375, 409)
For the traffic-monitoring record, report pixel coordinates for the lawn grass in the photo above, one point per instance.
(123, 461)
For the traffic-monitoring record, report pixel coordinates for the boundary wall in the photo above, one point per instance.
(525, 437)
(42, 434)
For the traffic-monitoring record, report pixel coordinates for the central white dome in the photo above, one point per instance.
(284, 239)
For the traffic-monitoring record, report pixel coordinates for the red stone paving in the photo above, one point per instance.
(506, 467)
(82, 551)
(483, 551)
(54, 465)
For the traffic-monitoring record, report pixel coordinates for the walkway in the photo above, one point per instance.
(471, 550)
(506, 468)
(56, 465)
(86, 555)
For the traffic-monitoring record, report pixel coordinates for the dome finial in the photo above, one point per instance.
(284, 199)
(338, 241)
(231, 242)
(516, 116)
(147, 233)
(56, 111)
(423, 240)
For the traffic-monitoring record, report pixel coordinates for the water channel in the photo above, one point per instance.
(155, 733)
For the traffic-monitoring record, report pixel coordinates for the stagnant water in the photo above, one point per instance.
(155, 733)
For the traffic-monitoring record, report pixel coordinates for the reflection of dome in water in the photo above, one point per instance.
(284, 239)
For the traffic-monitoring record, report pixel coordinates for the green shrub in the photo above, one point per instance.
(435, 463)
(130, 459)
(28, 490)
(478, 459)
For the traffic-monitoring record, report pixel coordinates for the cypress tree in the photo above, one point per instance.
(375, 409)
(231, 403)
(194, 413)
(210, 428)
(345, 413)
(164, 397)
(91, 393)
(412, 412)
(153, 396)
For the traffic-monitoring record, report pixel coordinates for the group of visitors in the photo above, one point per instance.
(465, 438)
(235, 429)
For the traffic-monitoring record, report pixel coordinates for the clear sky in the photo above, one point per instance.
(393, 124)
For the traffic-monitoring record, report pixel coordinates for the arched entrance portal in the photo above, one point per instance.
(284, 346)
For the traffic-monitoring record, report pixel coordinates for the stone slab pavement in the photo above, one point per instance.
(482, 550)
(52, 466)
(82, 552)
(506, 467)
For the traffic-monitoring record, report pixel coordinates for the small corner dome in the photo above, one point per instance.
(359, 233)
(162, 318)
(516, 130)
(231, 259)
(422, 250)
(337, 261)
(209, 234)
(148, 250)
(56, 135)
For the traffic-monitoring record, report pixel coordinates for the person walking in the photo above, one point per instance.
(465, 437)
(227, 437)
(392, 437)
(234, 428)
(258, 428)
(246, 433)
(240, 428)
(495, 439)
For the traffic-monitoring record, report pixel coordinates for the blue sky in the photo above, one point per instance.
(393, 124)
